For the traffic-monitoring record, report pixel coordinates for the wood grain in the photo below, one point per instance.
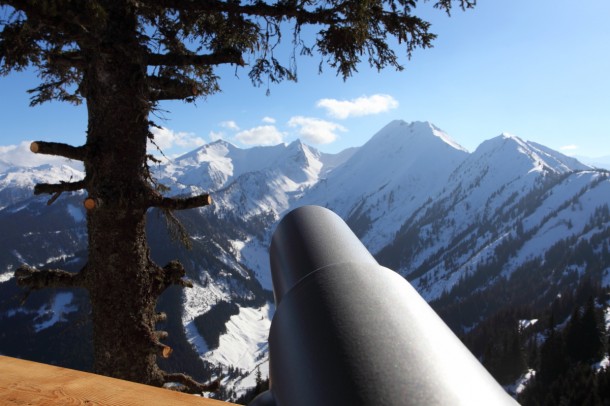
(34, 384)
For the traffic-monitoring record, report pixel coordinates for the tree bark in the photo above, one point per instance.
(120, 274)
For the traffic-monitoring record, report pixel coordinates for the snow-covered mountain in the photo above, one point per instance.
(392, 175)
(508, 189)
(456, 224)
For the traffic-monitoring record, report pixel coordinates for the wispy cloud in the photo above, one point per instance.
(314, 130)
(167, 139)
(262, 135)
(230, 125)
(268, 120)
(361, 106)
(571, 147)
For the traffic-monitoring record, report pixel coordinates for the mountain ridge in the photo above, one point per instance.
(454, 223)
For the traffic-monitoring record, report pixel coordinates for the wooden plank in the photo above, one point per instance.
(34, 384)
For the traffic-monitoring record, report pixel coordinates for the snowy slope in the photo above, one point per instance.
(388, 178)
(434, 211)
(215, 166)
(429, 209)
(494, 189)
(17, 183)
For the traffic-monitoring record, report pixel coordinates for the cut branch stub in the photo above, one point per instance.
(164, 350)
(53, 188)
(91, 203)
(181, 203)
(58, 149)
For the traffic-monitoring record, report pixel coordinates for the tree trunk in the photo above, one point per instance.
(123, 282)
(119, 275)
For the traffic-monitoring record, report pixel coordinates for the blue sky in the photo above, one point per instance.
(538, 69)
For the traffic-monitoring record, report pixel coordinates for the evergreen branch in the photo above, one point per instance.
(232, 56)
(72, 59)
(58, 149)
(279, 11)
(54, 90)
(35, 279)
(446, 5)
(60, 22)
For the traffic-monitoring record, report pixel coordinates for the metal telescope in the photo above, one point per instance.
(348, 331)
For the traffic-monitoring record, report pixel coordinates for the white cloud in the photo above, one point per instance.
(262, 135)
(230, 125)
(569, 147)
(268, 120)
(166, 139)
(316, 131)
(361, 106)
(20, 155)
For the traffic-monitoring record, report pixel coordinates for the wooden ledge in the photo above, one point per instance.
(34, 384)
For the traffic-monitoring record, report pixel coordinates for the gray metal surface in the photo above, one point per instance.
(350, 332)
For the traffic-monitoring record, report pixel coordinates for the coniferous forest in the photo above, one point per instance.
(552, 356)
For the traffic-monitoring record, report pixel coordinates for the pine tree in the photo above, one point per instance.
(553, 359)
(593, 334)
(122, 58)
(258, 379)
(574, 336)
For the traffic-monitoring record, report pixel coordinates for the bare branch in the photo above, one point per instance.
(55, 197)
(53, 188)
(59, 149)
(181, 203)
(33, 278)
(189, 384)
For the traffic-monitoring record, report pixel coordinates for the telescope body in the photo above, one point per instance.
(348, 331)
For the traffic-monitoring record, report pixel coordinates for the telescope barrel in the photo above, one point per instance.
(348, 331)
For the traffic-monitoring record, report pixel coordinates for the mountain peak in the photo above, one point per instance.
(417, 133)
(505, 134)
(512, 149)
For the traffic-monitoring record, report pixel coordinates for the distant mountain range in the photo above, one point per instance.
(457, 225)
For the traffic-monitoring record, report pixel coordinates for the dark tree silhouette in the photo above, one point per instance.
(122, 57)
